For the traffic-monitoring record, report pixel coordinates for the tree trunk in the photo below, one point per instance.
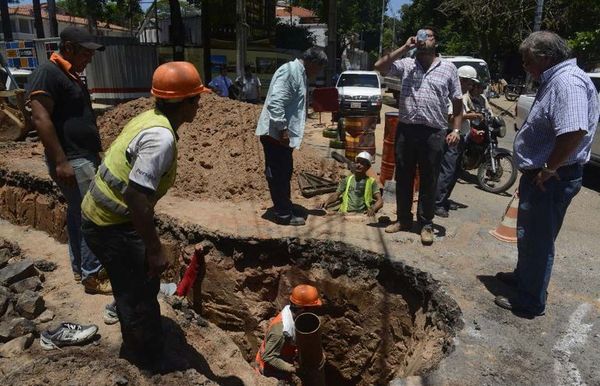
(92, 16)
(52, 18)
(177, 31)
(205, 25)
(6, 27)
(37, 19)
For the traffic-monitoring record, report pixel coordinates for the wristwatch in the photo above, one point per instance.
(456, 131)
(546, 169)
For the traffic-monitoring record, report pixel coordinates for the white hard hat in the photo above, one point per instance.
(366, 156)
(467, 72)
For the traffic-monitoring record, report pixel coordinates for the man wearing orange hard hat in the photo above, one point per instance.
(118, 210)
(275, 357)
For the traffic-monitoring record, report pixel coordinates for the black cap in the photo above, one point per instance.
(81, 37)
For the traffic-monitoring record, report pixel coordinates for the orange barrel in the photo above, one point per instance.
(351, 147)
(359, 135)
(388, 159)
(356, 125)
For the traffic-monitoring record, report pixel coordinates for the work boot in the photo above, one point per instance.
(427, 235)
(397, 227)
(94, 285)
(77, 277)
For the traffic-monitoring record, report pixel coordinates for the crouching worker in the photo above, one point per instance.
(118, 210)
(358, 192)
(275, 357)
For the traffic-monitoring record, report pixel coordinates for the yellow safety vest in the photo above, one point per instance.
(368, 193)
(104, 203)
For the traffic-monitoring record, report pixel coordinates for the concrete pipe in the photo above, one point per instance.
(310, 349)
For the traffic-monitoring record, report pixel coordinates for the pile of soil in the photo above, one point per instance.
(219, 156)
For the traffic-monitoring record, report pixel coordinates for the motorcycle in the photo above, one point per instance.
(512, 91)
(496, 168)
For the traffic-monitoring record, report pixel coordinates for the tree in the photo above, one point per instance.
(293, 37)
(120, 12)
(177, 30)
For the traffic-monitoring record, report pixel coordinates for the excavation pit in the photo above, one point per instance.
(380, 319)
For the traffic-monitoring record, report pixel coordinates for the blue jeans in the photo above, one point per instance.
(449, 171)
(83, 261)
(539, 220)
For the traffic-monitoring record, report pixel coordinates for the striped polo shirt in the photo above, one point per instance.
(424, 94)
(566, 101)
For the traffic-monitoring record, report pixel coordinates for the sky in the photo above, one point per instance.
(395, 5)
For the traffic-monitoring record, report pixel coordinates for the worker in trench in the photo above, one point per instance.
(358, 192)
(118, 210)
(275, 357)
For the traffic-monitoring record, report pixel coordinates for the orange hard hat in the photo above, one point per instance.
(305, 295)
(177, 80)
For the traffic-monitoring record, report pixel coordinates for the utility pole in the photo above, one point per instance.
(241, 37)
(52, 18)
(206, 27)
(381, 29)
(6, 27)
(331, 42)
(537, 21)
(156, 24)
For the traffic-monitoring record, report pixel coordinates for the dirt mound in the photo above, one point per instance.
(219, 155)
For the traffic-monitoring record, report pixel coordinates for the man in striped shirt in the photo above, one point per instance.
(550, 150)
(428, 82)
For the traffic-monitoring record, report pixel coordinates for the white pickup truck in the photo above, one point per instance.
(524, 105)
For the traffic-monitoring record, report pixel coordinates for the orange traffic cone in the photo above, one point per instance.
(507, 230)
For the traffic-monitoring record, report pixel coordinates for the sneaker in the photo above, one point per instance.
(297, 220)
(441, 212)
(77, 277)
(102, 274)
(289, 220)
(427, 235)
(397, 227)
(67, 334)
(110, 314)
(93, 285)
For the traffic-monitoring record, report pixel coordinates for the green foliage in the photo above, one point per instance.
(120, 12)
(187, 8)
(586, 46)
(293, 37)
(493, 29)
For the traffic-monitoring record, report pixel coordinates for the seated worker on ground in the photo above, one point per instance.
(275, 357)
(358, 192)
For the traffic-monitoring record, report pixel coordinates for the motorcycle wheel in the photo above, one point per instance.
(503, 179)
(510, 94)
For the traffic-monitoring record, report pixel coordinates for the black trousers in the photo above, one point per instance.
(424, 146)
(279, 165)
(123, 254)
(449, 172)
